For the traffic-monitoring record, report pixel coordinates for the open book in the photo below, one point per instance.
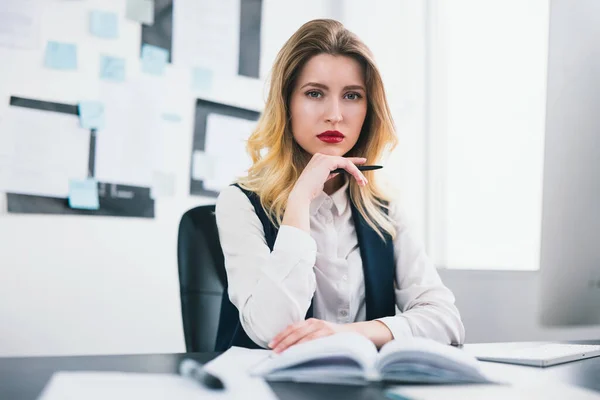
(353, 359)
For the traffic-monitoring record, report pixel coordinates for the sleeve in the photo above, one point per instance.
(426, 306)
(270, 289)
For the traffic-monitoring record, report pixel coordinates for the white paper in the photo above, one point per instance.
(207, 34)
(40, 151)
(126, 386)
(230, 367)
(126, 149)
(494, 392)
(163, 185)
(20, 23)
(203, 166)
(238, 359)
(226, 141)
(173, 99)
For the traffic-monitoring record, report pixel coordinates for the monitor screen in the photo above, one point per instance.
(570, 240)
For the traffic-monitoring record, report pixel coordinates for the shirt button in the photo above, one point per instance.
(345, 277)
(328, 202)
(344, 313)
(329, 220)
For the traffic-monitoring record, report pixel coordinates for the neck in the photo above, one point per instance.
(333, 184)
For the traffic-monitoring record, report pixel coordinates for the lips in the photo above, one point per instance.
(331, 136)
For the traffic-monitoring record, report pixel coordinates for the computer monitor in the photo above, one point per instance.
(570, 241)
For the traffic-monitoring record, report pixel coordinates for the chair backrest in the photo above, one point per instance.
(202, 277)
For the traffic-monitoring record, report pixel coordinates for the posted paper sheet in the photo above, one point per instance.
(41, 151)
(226, 142)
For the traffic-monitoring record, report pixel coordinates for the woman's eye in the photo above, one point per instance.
(314, 94)
(353, 96)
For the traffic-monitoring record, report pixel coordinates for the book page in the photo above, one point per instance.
(342, 345)
(425, 360)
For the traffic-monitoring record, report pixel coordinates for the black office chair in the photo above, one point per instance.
(202, 277)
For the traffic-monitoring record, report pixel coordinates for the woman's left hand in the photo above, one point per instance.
(304, 331)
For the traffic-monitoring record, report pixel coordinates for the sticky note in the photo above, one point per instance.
(61, 56)
(171, 117)
(112, 68)
(202, 79)
(154, 59)
(140, 11)
(203, 166)
(91, 114)
(83, 194)
(104, 24)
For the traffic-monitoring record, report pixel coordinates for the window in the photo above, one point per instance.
(486, 91)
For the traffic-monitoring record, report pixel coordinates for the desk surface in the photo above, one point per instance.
(24, 378)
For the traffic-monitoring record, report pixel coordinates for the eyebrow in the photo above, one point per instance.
(325, 87)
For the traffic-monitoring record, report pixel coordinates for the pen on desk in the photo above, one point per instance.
(360, 168)
(194, 370)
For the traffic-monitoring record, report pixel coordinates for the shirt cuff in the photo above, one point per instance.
(398, 325)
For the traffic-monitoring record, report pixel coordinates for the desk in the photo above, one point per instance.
(24, 378)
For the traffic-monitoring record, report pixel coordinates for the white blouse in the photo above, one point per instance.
(274, 289)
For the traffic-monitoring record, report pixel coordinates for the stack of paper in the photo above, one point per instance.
(230, 367)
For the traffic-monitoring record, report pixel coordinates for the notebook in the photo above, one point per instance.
(349, 358)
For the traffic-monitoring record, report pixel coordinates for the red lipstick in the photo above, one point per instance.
(331, 136)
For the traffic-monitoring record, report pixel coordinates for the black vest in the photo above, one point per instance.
(378, 268)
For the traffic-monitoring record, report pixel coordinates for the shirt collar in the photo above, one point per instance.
(339, 199)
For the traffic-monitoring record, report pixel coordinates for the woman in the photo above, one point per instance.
(308, 252)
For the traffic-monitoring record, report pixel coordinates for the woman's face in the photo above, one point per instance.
(328, 105)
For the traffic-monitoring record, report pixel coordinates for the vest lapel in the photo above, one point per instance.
(378, 268)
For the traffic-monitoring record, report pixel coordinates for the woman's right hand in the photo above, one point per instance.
(318, 171)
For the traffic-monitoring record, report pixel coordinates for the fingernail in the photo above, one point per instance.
(270, 344)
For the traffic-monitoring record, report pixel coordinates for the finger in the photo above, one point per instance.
(354, 171)
(331, 176)
(283, 334)
(294, 337)
(315, 335)
(356, 160)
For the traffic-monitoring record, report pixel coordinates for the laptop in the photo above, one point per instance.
(537, 354)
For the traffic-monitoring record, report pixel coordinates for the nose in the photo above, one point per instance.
(334, 112)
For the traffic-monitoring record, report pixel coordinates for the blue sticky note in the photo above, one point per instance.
(171, 117)
(202, 79)
(104, 24)
(112, 68)
(154, 59)
(83, 194)
(61, 56)
(91, 114)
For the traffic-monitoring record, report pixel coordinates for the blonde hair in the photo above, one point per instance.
(278, 160)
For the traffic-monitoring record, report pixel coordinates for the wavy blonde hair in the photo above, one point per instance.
(278, 160)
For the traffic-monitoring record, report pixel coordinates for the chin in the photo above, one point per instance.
(332, 151)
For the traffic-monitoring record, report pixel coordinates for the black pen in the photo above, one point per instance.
(194, 370)
(360, 168)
